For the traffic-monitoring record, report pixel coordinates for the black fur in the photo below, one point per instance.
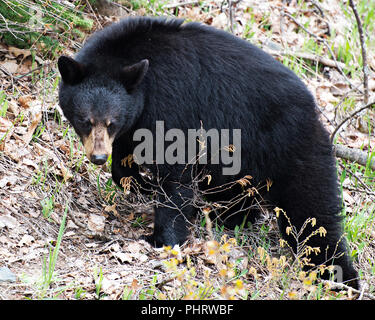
(196, 73)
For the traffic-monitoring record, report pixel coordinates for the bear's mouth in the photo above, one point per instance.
(98, 144)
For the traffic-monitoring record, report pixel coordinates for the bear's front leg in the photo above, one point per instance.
(171, 217)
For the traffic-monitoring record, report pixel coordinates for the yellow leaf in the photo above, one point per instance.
(209, 177)
(322, 231)
(288, 229)
(293, 295)
(277, 211)
(313, 222)
(223, 272)
(269, 184)
(225, 247)
(239, 284)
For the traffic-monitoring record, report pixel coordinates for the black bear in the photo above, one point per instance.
(160, 74)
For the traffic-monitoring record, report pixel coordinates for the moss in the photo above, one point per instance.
(14, 11)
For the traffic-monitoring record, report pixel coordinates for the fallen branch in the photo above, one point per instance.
(180, 4)
(303, 55)
(341, 286)
(354, 155)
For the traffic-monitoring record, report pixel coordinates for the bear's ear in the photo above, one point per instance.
(72, 72)
(133, 75)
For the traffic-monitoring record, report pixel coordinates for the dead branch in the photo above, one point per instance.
(363, 47)
(353, 155)
(316, 5)
(308, 56)
(231, 3)
(368, 105)
(341, 286)
(358, 179)
(180, 4)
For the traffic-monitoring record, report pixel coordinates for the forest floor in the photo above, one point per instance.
(95, 253)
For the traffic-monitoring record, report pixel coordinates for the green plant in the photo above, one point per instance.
(98, 277)
(49, 266)
(3, 103)
(47, 206)
(42, 24)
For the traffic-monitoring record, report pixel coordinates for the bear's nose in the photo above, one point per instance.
(99, 159)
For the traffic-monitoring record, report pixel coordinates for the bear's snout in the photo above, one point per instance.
(99, 159)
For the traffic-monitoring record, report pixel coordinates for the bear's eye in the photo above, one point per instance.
(110, 126)
(86, 123)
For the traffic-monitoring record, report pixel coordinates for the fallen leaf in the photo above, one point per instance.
(123, 257)
(30, 163)
(34, 123)
(25, 101)
(134, 247)
(112, 208)
(96, 223)
(220, 21)
(18, 52)
(8, 181)
(8, 221)
(5, 124)
(10, 66)
(26, 240)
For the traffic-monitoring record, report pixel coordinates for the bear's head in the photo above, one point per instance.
(100, 104)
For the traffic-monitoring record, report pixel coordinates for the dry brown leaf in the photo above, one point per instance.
(34, 124)
(18, 52)
(371, 84)
(9, 66)
(220, 21)
(15, 151)
(25, 101)
(8, 221)
(123, 256)
(65, 172)
(30, 163)
(7, 181)
(112, 208)
(6, 128)
(26, 240)
(13, 107)
(96, 223)
(134, 247)
(5, 124)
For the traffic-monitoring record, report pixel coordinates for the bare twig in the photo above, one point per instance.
(363, 291)
(230, 4)
(93, 12)
(358, 179)
(7, 27)
(325, 44)
(363, 47)
(316, 5)
(368, 105)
